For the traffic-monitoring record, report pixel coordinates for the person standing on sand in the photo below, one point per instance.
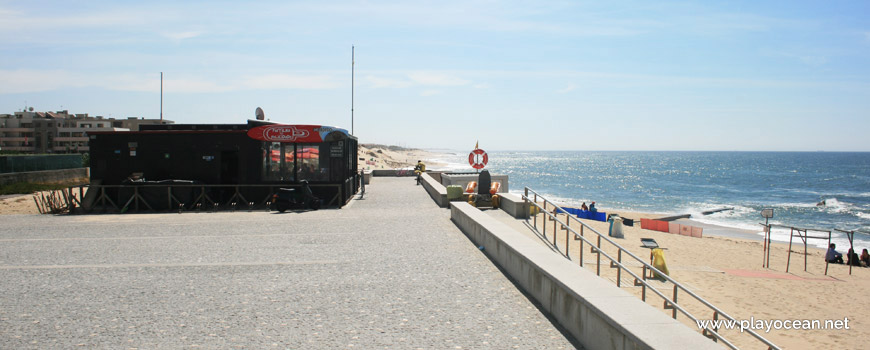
(832, 256)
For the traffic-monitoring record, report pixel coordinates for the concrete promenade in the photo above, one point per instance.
(390, 271)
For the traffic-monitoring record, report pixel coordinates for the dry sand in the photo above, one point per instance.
(727, 272)
(383, 157)
(17, 204)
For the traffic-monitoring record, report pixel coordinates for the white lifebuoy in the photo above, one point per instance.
(478, 158)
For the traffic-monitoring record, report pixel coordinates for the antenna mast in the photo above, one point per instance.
(351, 87)
(161, 97)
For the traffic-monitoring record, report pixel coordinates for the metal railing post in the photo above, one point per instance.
(598, 267)
(545, 218)
(619, 269)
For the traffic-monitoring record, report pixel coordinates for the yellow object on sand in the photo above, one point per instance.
(659, 262)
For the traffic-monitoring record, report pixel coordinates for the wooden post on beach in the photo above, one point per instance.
(766, 213)
(764, 246)
(788, 262)
(826, 260)
(805, 254)
(850, 235)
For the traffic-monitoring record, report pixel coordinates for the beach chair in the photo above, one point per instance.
(483, 197)
(656, 258)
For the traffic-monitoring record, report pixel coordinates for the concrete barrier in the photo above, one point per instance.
(46, 176)
(448, 179)
(596, 312)
(514, 205)
(437, 191)
(393, 172)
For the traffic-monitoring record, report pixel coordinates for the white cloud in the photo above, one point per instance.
(381, 82)
(179, 36)
(22, 81)
(288, 81)
(430, 92)
(437, 79)
(567, 89)
(419, 78)
(812, 58)
(26, 80)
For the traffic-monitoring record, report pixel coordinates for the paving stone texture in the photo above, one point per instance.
(390, 271)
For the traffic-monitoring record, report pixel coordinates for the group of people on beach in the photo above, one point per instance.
(591, 207)
(834, 257)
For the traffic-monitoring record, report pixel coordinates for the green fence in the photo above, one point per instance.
(18, 164)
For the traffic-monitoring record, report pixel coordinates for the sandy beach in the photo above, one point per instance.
(727, 271)
(378, 157)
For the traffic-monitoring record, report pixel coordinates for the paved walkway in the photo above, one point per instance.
(389, 271)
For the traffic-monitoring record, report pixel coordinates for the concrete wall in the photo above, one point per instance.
(464, 179)
(437, 191)
(596, 312)
(47, 176)
(393, 172)
(514, 205)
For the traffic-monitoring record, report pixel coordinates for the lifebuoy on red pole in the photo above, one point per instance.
(478, 158)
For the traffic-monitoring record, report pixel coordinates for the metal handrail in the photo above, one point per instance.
(617, 263)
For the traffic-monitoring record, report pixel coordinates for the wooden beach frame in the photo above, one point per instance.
(802, 233)
(851, 236)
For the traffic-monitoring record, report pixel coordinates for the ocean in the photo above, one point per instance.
(791, 183)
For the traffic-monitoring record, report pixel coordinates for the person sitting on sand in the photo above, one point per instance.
(865, 258)
(592, 207)
(584, 207)
(832, 256)
(852, 258)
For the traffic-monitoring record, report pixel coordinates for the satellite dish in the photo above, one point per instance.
(259, 113)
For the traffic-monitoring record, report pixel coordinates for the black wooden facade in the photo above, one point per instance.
(221, 160)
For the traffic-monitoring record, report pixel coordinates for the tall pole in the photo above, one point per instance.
(351, 87)
(161, 97)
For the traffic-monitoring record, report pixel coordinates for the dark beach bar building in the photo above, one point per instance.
(218, 166)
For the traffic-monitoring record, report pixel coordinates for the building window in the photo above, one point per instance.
(308, 160)
(291, 162)
(272, 163)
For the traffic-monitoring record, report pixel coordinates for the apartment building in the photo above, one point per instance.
(58, 132)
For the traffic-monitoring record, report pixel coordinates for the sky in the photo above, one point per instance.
(541, 75)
